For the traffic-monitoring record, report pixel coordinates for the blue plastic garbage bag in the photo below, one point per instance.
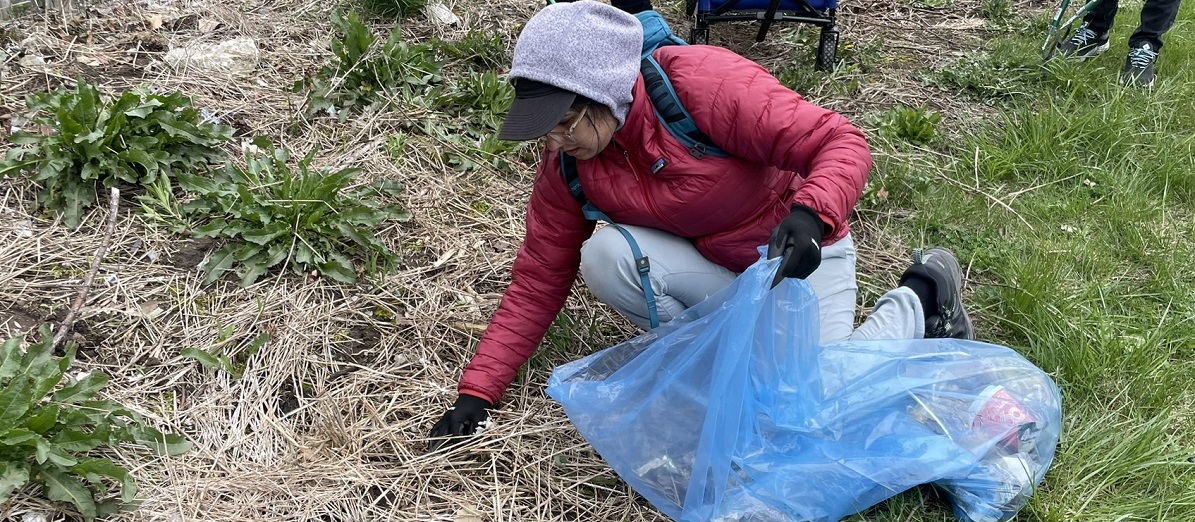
(734, 413)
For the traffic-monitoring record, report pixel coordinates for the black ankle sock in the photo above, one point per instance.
(925, 289)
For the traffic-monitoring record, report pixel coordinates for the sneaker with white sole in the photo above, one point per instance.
(1084, 44)
(949, 319)
(1139, 66)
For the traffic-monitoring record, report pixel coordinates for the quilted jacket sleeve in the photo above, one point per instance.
(543, 273)
(751, 115)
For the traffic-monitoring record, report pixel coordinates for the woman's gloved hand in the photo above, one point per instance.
(799, 239)
(460, 421)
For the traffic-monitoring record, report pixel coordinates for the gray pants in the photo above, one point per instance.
(681, 277)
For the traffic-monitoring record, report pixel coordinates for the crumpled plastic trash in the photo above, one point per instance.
(238, 56)
(733, 413)
(439, 14)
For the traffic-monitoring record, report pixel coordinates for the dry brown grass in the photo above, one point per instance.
(329, 418)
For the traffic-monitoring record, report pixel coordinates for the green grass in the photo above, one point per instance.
(1076, 209)
(1072, 204)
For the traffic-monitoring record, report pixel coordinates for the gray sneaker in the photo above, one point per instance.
(940, 266)
(1139, 67)
(1085, 44)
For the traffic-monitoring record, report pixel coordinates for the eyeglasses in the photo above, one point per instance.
(566, 137)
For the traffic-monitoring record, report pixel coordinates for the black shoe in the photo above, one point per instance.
(1139, 67)
(1085, 44)
(949, 319)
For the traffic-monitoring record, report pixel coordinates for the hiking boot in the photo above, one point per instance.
(1085, 44)
(1139, 67)
(940, 267)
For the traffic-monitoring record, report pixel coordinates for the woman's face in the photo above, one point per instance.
(582, 133)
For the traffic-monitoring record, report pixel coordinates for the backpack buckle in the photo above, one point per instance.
(697, 150)
(643, 265)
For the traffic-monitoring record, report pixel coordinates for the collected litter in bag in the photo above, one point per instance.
(733, 413)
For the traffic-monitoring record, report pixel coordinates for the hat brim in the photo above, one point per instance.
(533, 116)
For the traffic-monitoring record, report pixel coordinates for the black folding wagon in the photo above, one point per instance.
(821, 13)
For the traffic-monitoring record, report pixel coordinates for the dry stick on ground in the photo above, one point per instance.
(976, 190)
(69, 321)
(990, 197)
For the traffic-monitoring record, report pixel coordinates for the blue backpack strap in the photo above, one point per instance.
(669, 110)
(643, 265)
(568, 169)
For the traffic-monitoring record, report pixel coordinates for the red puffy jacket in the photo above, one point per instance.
(784, 150)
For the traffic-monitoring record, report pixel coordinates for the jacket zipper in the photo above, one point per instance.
(627, 156)
(651, 205)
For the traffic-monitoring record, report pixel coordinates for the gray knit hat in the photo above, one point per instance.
(581, 48)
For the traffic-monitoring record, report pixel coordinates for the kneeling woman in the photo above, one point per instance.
(793, 175)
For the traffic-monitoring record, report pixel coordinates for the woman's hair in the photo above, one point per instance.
(582, 102)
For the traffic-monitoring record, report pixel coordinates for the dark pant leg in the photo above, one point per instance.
(632, 6)
(1156, 18)
(1102, 16)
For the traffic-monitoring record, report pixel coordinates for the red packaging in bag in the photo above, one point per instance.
(998, 413)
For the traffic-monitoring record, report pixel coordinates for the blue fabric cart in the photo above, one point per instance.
(821, 13)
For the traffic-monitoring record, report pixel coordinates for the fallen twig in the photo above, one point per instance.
(69, 321)
(1017, 194)
(993, 199)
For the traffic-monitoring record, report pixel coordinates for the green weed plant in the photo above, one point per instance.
(474, 105)
(1007, 72)
(216, 358)
(363, 76)
(303, 218)
(916, 125)
(76, 142)
(481, 98)
(477, 49)
(393, 9)
(997, 12)
(52, 426)
(161, 208)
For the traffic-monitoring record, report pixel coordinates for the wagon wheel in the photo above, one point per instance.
(827, 49)
(700, 34)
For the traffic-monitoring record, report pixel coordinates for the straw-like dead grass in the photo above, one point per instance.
(328, 420)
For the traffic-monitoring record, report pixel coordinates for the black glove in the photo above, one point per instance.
(460, 421)
(799, 239)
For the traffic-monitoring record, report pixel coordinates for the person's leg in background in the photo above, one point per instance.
(1102, 17)
(630, 6)
(1091, 37)
(1157, 16)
